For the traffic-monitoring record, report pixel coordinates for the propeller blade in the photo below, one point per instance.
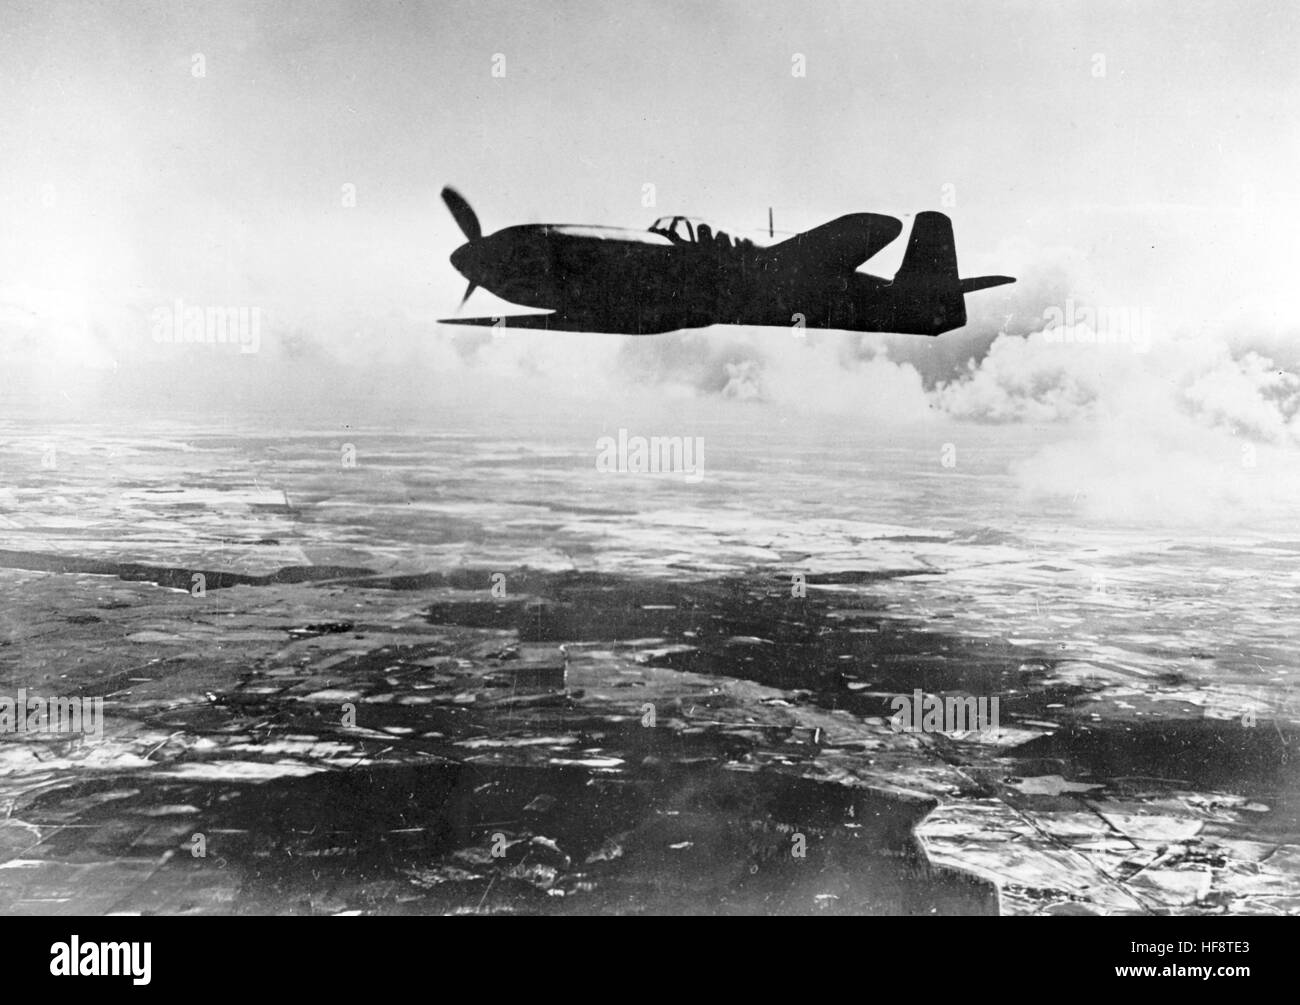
(770, 231)
(461, 212)
(469, 290)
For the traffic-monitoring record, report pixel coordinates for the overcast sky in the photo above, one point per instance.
(1145, 151)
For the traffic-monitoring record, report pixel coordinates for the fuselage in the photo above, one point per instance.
(563, 266)
(677, 276)
(652, 281)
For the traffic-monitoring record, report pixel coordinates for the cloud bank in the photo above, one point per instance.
(1186, 425)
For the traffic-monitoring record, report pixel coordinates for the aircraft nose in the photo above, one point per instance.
(463, 258)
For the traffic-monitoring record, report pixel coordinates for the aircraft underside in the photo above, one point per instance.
(884, 312)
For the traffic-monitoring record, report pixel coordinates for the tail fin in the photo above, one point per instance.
(929, 293)
(931, 256)
(927, 289)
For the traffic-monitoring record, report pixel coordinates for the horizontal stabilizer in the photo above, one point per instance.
(984, 283)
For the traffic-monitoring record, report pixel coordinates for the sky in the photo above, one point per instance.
(1134, 155)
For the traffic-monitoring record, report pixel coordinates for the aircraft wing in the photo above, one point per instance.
(839, 246)
(554, 322)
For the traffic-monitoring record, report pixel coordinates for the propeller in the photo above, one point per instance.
(467, 220)
(464, 216)
(770, 231)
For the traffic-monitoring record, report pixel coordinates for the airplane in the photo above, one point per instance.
(682, 274)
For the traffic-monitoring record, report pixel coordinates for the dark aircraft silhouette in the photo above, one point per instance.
(679, 274)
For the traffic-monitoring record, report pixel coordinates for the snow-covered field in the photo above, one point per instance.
(228, 589)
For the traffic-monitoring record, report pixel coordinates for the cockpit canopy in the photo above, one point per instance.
(683, 230)
(677, 229)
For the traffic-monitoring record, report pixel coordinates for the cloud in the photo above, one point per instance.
(1074, 374)
(1203, 426)
(1195, 430)
(1117, 473)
